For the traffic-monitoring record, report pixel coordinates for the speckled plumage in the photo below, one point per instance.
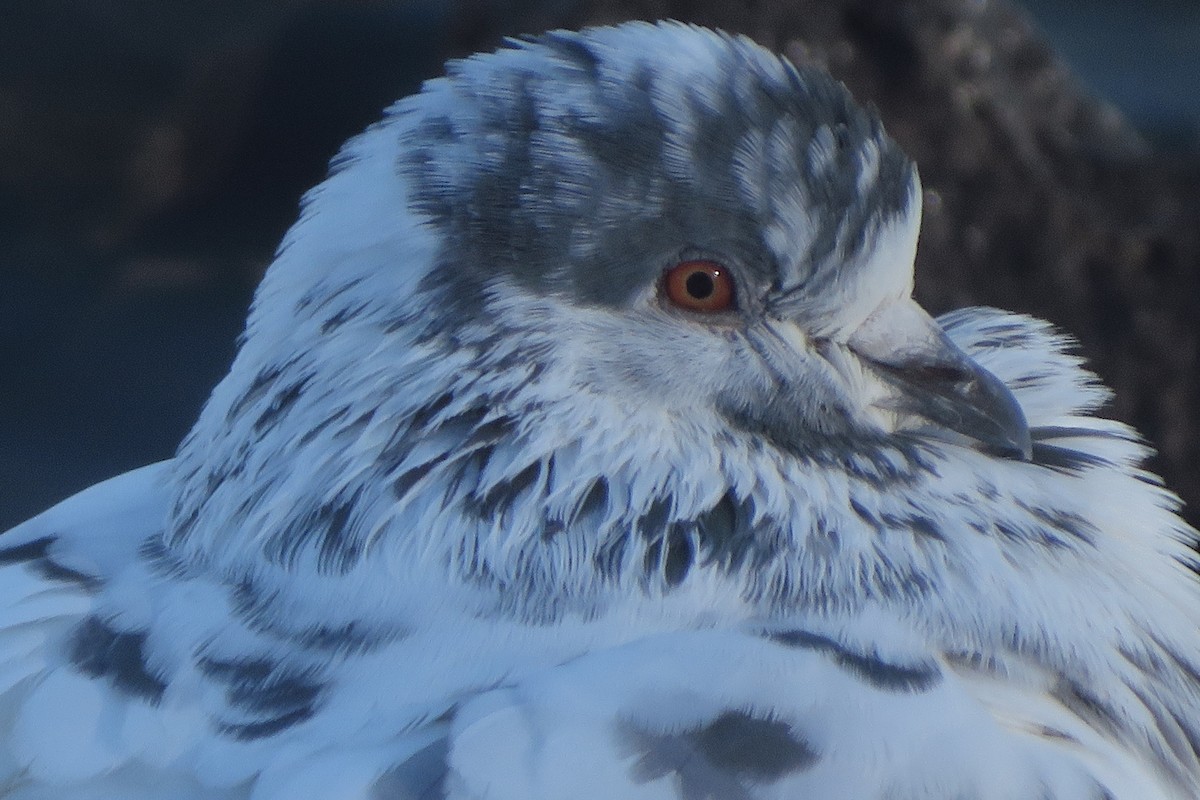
(477, 513)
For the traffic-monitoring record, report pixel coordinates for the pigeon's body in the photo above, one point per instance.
(486, 508)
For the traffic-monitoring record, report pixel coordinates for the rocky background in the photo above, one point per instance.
(152, 154)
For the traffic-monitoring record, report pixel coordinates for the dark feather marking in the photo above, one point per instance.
(405, 481)
(649, 528)
(1187, 667)
(486, 210)
(726, 533)
(224, 471)
(678, 559)
(340, 546)
(1046, 432)
(1089, 708)
(721, 760)
(1173, 730)
(651, 525)
(250, 603)
(973, 662)
(99, 651)
(398, 321)
(30, 551)
(321, 301)
(1149, 478)
(35, 555)
(1047, 732)
(915, 523)
(990, 344)
(489, 433)
(761, 749)
(278, 695)
(467, 424)
(258, 389)
(1007, 530)
(594, 503)
(875, 468)
(350, 637)
(248, 731)
(575, 51)
(1073, 525)
(870, 462)
(672, 556)
(1152, 665)
(354, 426)
(1190, 733)
(467, 466)
(596, 500)
(261, 685)
(438, 128)
(500, 497)
(1147, 661)
(1018, 534)
(425, 414)
(281, 402)
(863, 514)
(184, 524)
(342, 316)
(162, 560)
(257, 611)
(527, 359)
(894, 582)
(1064, 459)
(329, 524)
(924, 526)
(881, 674)
(652, 528)
(335, 417)
(479, 436)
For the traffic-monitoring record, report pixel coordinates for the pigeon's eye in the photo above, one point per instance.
(699, 286)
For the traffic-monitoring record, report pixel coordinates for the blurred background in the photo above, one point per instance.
(152, 153)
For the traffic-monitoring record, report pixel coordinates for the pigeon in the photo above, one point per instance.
(585, 441)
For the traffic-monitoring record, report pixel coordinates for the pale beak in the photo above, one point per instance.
(932, 379)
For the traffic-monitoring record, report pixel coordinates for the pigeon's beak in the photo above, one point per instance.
(930, 378)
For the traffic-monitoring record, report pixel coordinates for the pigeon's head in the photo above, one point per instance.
(664, 216)
(576, 276)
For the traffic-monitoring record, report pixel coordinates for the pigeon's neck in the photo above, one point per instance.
(471, 462)
(530, 502)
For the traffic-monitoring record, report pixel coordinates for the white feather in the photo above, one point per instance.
(417, 552)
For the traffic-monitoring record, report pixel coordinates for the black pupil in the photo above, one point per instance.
(700, 285)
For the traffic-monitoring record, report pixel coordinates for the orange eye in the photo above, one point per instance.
(699, 286)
